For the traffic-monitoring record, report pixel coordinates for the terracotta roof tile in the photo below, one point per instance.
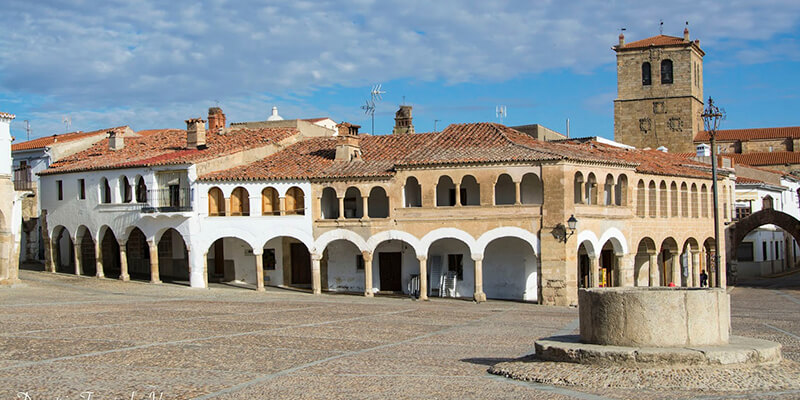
(767, 158)
(659, 40)
(751, 134)
(744, 181)
(64, 137)
(457, 144)
(166, 147)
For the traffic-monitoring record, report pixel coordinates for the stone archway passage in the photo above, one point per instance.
(742, 227)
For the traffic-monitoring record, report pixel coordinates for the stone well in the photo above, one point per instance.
(654, 317)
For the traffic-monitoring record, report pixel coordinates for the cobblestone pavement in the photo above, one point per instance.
(62, 335)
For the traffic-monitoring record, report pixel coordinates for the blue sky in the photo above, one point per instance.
(153, 65)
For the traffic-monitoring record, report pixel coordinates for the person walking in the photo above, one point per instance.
(703, 278)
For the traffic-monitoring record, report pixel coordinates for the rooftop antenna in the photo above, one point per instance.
(28, 128)
(661, 27)
(434, 125)
(501, 112)
(67, 120)
(376, 95)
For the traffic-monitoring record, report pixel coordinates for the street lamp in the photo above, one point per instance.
(560, 231)
(712, 116)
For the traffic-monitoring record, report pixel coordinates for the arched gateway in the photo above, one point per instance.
(741, 228)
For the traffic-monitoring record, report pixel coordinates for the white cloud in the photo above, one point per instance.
(151, 55)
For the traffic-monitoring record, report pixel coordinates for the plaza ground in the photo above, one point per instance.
(61, 335)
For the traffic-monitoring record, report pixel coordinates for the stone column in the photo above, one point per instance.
(365, 207)
(367, 273)
(154, 278)
(653, 269)
(259, 271)
(594, 271)
(423, 277)
(98, 256)
(478, 294)
(123, 263)
(205, 269)
(695, 268)
(618, 274)
(316, 276)
(518, 194)
(282, 204)
(78, 259)
(676, 269)
(341, 207)
(49, 261)
(458, 195)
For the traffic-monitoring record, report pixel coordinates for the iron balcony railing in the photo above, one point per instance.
(171, 199)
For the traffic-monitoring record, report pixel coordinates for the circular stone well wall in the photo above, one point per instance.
(654, 316)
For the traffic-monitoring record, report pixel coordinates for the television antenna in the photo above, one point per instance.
(67, 120)
(28, 128)
(501, 112)
(661, 27)
(376, 95)
(434, 125)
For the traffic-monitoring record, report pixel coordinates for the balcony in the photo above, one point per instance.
(22, 179)
(170, 200)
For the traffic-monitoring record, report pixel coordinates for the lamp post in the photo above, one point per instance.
(712, 116)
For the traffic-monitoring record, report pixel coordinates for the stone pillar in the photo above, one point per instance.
(341, 207)
(77, 255)
(123, 263)
(518, 194)
(423, 277)
(676, 269)
(458, 195)
(259, 271)
(695, 268)
(594, 271)
(49, 261)
(365, 207)
(367, 273)
(619, 275)
(316, 278)
(98, 256)
(205, 269)
(478, 294)
(653, 269)
(154, 278)
(282, 204)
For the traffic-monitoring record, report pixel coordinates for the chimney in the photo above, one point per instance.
(703, 150)
(195, 133)
(621, 39)
(686, 34)
(216, 120)
(115, 140)
(348, 146)
(402, 121)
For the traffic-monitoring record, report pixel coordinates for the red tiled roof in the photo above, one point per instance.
(767, 158)
(744, 181)
(751, 134)
(659, 40)
(457, 144)
(166, 147)
(64, 137)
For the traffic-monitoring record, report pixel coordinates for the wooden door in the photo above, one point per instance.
(301, 264)
(390, 270)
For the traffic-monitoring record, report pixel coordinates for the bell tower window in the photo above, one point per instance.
(646, 74)
(666, 71)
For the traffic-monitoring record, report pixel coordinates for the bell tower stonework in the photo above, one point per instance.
(659, 92)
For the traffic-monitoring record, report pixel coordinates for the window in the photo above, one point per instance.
(777, 251)
(81, 189)
(141, 191)
(646, 74)
(295, 202)
(216, 202)
(270, 203)
(666, 71)
(766, 202)
(764, 251)
(268, 259)
(105, 191)
(743, 211)
(455, 263)
(240, 202)
(359, 262)
(60, 190)
(127, 192)
(745, 251)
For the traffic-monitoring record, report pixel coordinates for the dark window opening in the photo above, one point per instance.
(268, 259)
(455, 263)
(666, 71)
(745, 251)
(81, 189)
(646, 75)
(359, 262)
(60, 189)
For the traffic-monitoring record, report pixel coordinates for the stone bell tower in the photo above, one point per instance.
(403, 121)
(659, 92)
